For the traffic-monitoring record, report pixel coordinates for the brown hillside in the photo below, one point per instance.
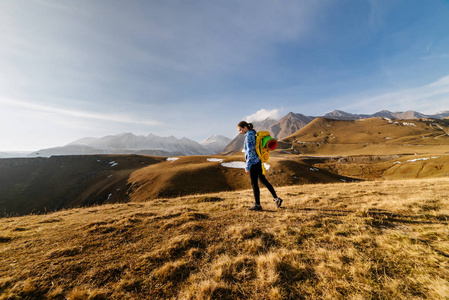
(376, 136)
(288, 125)
(37, 185)
(368, 240)
(383, 166)
(194, 174)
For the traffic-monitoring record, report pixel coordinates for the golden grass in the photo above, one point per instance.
(366, 240)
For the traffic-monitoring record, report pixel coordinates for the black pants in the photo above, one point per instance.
(255, 172)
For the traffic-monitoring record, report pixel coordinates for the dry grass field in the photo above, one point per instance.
(364, 240)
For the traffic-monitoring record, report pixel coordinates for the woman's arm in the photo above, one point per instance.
(250, 147)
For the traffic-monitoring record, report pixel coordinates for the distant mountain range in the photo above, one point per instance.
(408, 115)
(292, 122)
(128, 143)
(216, 143)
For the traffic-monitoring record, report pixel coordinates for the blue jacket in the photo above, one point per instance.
(249, 146)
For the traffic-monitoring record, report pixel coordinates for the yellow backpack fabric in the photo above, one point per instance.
(262, 152)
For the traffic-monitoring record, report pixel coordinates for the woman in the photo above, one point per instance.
(254, 165)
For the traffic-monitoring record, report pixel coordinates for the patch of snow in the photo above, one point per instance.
(314, 169)
(113, 163)
(240, 165)
(215, 159)
(408, 124)
(109, 196)
(417, 159)
(234, 164)
(423, 158)
(396, 162)
(434, 124)
(343, 180)
(389, 120)
(172, 159)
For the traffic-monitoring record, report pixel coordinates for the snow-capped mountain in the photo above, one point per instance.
(216, 143)
(128, 143)
(407, 115)
(342, 115)
(443, 114)
(410, 114)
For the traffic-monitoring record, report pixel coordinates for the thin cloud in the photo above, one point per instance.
(117, 118)
(264, 114)
(440, 56)
(424, 98)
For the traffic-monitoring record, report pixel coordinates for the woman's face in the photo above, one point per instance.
(242, 130)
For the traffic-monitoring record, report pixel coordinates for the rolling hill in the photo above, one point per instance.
(373, 136)
(288, 124)
(38, 185)
(41, 185)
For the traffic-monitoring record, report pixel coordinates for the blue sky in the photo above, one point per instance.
(72, 69)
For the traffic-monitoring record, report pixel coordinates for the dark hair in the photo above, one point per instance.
(243, 124)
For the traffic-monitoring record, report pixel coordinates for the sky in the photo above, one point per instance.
(187, 68)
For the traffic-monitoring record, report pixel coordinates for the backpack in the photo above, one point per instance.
(264, 144)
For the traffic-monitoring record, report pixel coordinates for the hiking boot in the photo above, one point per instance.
(278, 202)
(255, 207)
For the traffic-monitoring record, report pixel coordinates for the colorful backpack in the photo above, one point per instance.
(264, 144)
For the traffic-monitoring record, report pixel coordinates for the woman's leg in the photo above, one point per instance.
(254, 174)
(266, 183)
